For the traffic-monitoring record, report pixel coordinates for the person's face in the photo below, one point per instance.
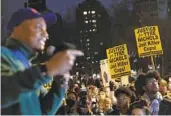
(92, 92)
(152, 85)
(138, 111)
(101, 104)
(122, 100)
(102, 95)
(163, 89)
(72, 96)
(107, 104)
(33, 33)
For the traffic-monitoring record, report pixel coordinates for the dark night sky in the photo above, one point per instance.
(62, 6)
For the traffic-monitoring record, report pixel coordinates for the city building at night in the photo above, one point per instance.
(93, 27)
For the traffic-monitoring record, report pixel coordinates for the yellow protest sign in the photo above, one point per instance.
(148, 41)
(118, 61)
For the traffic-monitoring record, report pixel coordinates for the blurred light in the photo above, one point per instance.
(89, 12)
(150, 67)
(90, 30)
(98, 76)
(101, 43)
(169, 79)
(82, 67)
(86, 21)
(92, 61)
(88, 58)
(76, 64)
(94, 29)
(96, 61)
(94, 21)
(85, 12)
(96, 53)
(93, 12)
(135, 60)
(77, 73)
(94, 75)
(88, 40)
(71, 77)
(158, 67)
(78, 81)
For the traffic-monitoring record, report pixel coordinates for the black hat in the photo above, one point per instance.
(123, 90)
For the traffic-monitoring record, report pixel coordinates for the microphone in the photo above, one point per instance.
(50, 50)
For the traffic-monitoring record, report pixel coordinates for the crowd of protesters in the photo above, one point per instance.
(145, 96)
(22, 79)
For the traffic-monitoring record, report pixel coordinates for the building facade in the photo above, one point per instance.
(93, 28)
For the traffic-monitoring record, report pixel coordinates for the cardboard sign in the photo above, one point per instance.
(118, 61)
(105, 74)
(148, 41)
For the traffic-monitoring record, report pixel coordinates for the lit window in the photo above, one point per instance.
(96, 53)
(88, 40)
(88, 44)
(94, 21)
(85, 12)
(92, 61)
(94, 25)
(90, 30)
(101, 43)
(89, 12)
(86, 21)
(94, 29)
(96, 61)
(90, 21)
(93, 12)
(88, 58)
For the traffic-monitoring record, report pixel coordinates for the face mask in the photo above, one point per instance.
(70, 102)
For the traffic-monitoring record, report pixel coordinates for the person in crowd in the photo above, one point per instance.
(123, 96)
(147, 86)
(107, 107)
(92, 93)
(70, 106)
(139, 108)
(84, 107)
(22, 82)
(102, 94)
(163, 87)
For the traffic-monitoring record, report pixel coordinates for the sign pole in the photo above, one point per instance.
(152, 61)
